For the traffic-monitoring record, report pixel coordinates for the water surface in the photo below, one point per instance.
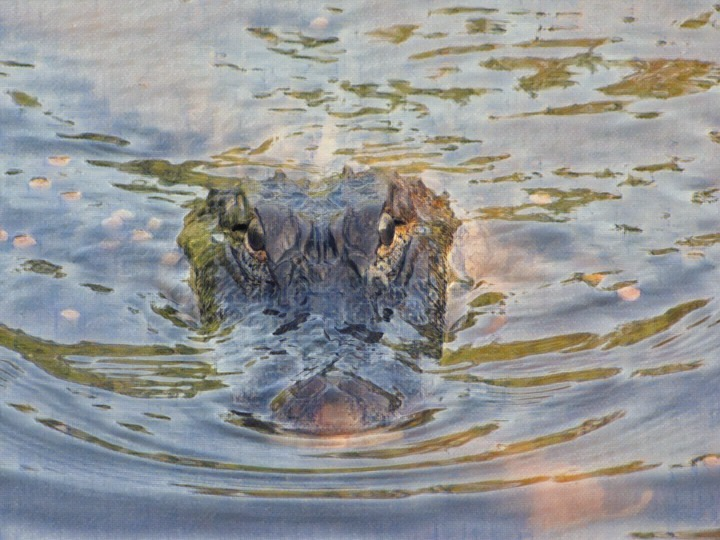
(578, 142)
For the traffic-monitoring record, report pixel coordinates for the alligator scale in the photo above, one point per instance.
(331, 296)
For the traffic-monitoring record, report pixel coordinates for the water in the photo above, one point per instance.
(578, 142)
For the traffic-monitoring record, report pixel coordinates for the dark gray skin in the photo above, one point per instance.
(347, 288)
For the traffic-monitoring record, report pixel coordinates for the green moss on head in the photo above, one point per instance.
(196, 241)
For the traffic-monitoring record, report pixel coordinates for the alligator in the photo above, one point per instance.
(336, 294)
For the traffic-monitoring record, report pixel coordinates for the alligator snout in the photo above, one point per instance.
(335, 404)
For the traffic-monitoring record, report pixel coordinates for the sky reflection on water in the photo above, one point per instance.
(578, 142)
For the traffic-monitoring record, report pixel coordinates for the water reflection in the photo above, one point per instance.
(125, 369)
(578, 144)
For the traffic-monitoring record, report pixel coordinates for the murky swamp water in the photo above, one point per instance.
(579, 143)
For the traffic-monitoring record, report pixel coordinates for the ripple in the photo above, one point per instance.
(442, 443)
(484, 486)
(578, 364)
(114, 367)
(506, 450)
(626, 335)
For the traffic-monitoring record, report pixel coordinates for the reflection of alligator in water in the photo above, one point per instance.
(349, 283)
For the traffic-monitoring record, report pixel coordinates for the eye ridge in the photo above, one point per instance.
(255, 236)
(386, 229)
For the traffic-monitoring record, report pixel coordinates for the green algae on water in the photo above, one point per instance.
(40, 266)
(96, 137)
(24, 100)
(97, 288)
(395, 34)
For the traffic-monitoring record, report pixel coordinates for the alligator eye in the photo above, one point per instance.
(386, 228)
(255, 235)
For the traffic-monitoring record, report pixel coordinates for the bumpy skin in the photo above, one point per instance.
(348, 286)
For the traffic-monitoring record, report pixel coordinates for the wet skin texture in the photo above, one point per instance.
(350, 280)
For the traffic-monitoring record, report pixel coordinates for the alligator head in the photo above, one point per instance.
(340, 291)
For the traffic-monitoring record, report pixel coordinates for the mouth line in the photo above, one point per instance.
(288, 432)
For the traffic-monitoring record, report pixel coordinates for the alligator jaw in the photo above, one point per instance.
(332, 404)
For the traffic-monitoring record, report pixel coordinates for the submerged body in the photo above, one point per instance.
(344, 290)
